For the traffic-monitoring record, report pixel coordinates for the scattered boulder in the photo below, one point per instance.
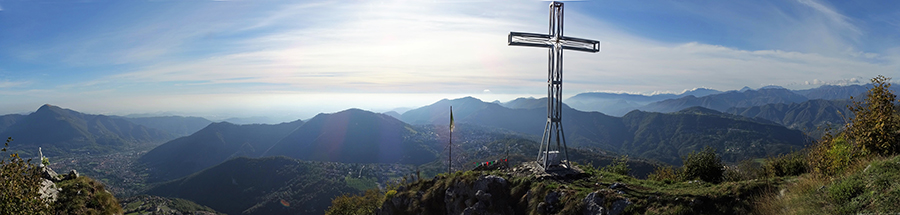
(49, 178)
(552, 203)
(72, 175)
(593, 204)
(49, 174)
(619, 206)
(48, 190)
(487, 192)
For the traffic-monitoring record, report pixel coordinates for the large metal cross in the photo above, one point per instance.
(556, 43)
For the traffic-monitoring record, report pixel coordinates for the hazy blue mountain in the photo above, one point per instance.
(393, 114)
(617, 104)
(810, 116)
(62, 131)
(401, 110)
(832, 92)
(593, 129)
(439, 112)
(670, 135)
(212, 145)
(272, 185)
(356, 136)
(252, 120)
(9, 120)
(178, 126)
(526, 103)
(723, 101)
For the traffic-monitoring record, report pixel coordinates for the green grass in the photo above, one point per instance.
(867, 187)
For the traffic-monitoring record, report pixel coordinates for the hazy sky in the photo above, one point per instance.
(296, 58)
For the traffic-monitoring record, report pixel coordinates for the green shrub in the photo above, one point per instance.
(348, 204)
(389, 194)
(618, 166)
(833, 154)
(704, 165)
(84, 195)
(787, 165)
(664, 173)
(20, 182)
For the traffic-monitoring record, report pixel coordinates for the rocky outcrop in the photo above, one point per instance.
(488, 195)
(49, 190)
(507, 192)
(594, 202)
(49, 178)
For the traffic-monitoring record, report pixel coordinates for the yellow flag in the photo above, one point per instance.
(451, 118)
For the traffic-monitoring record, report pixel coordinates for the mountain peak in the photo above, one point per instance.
(467, 99)
(47, 107)
(51, 110)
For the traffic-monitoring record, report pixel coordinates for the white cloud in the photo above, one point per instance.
(305, 51)
(441, 48)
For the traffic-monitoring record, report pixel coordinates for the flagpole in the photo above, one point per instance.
(450, 153)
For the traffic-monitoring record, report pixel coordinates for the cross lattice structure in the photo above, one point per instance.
(556, 43)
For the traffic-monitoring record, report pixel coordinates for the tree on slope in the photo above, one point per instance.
(21, 182)
(875, 126)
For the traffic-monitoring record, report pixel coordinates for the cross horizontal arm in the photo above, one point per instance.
(547, 41)
(529, 39)
(579, 44)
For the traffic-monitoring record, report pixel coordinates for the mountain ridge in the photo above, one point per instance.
(212, 145)
(61, 131)
(355, 136)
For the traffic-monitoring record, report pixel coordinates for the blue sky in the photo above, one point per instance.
(292, 59)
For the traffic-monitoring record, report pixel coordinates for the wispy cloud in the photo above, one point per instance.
(832, 15)
(11, 84)
(429, 48)
(291, 54)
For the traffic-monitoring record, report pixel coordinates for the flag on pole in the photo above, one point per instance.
(451, 118)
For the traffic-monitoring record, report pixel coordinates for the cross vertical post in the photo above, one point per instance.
(556, 43)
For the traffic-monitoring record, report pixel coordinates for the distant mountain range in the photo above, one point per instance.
(723, 101)
(61, 131)
(660, 136)
(620, 104)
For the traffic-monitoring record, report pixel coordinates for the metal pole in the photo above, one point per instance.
(450, 152)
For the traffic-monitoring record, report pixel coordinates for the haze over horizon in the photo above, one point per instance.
(285, 59)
